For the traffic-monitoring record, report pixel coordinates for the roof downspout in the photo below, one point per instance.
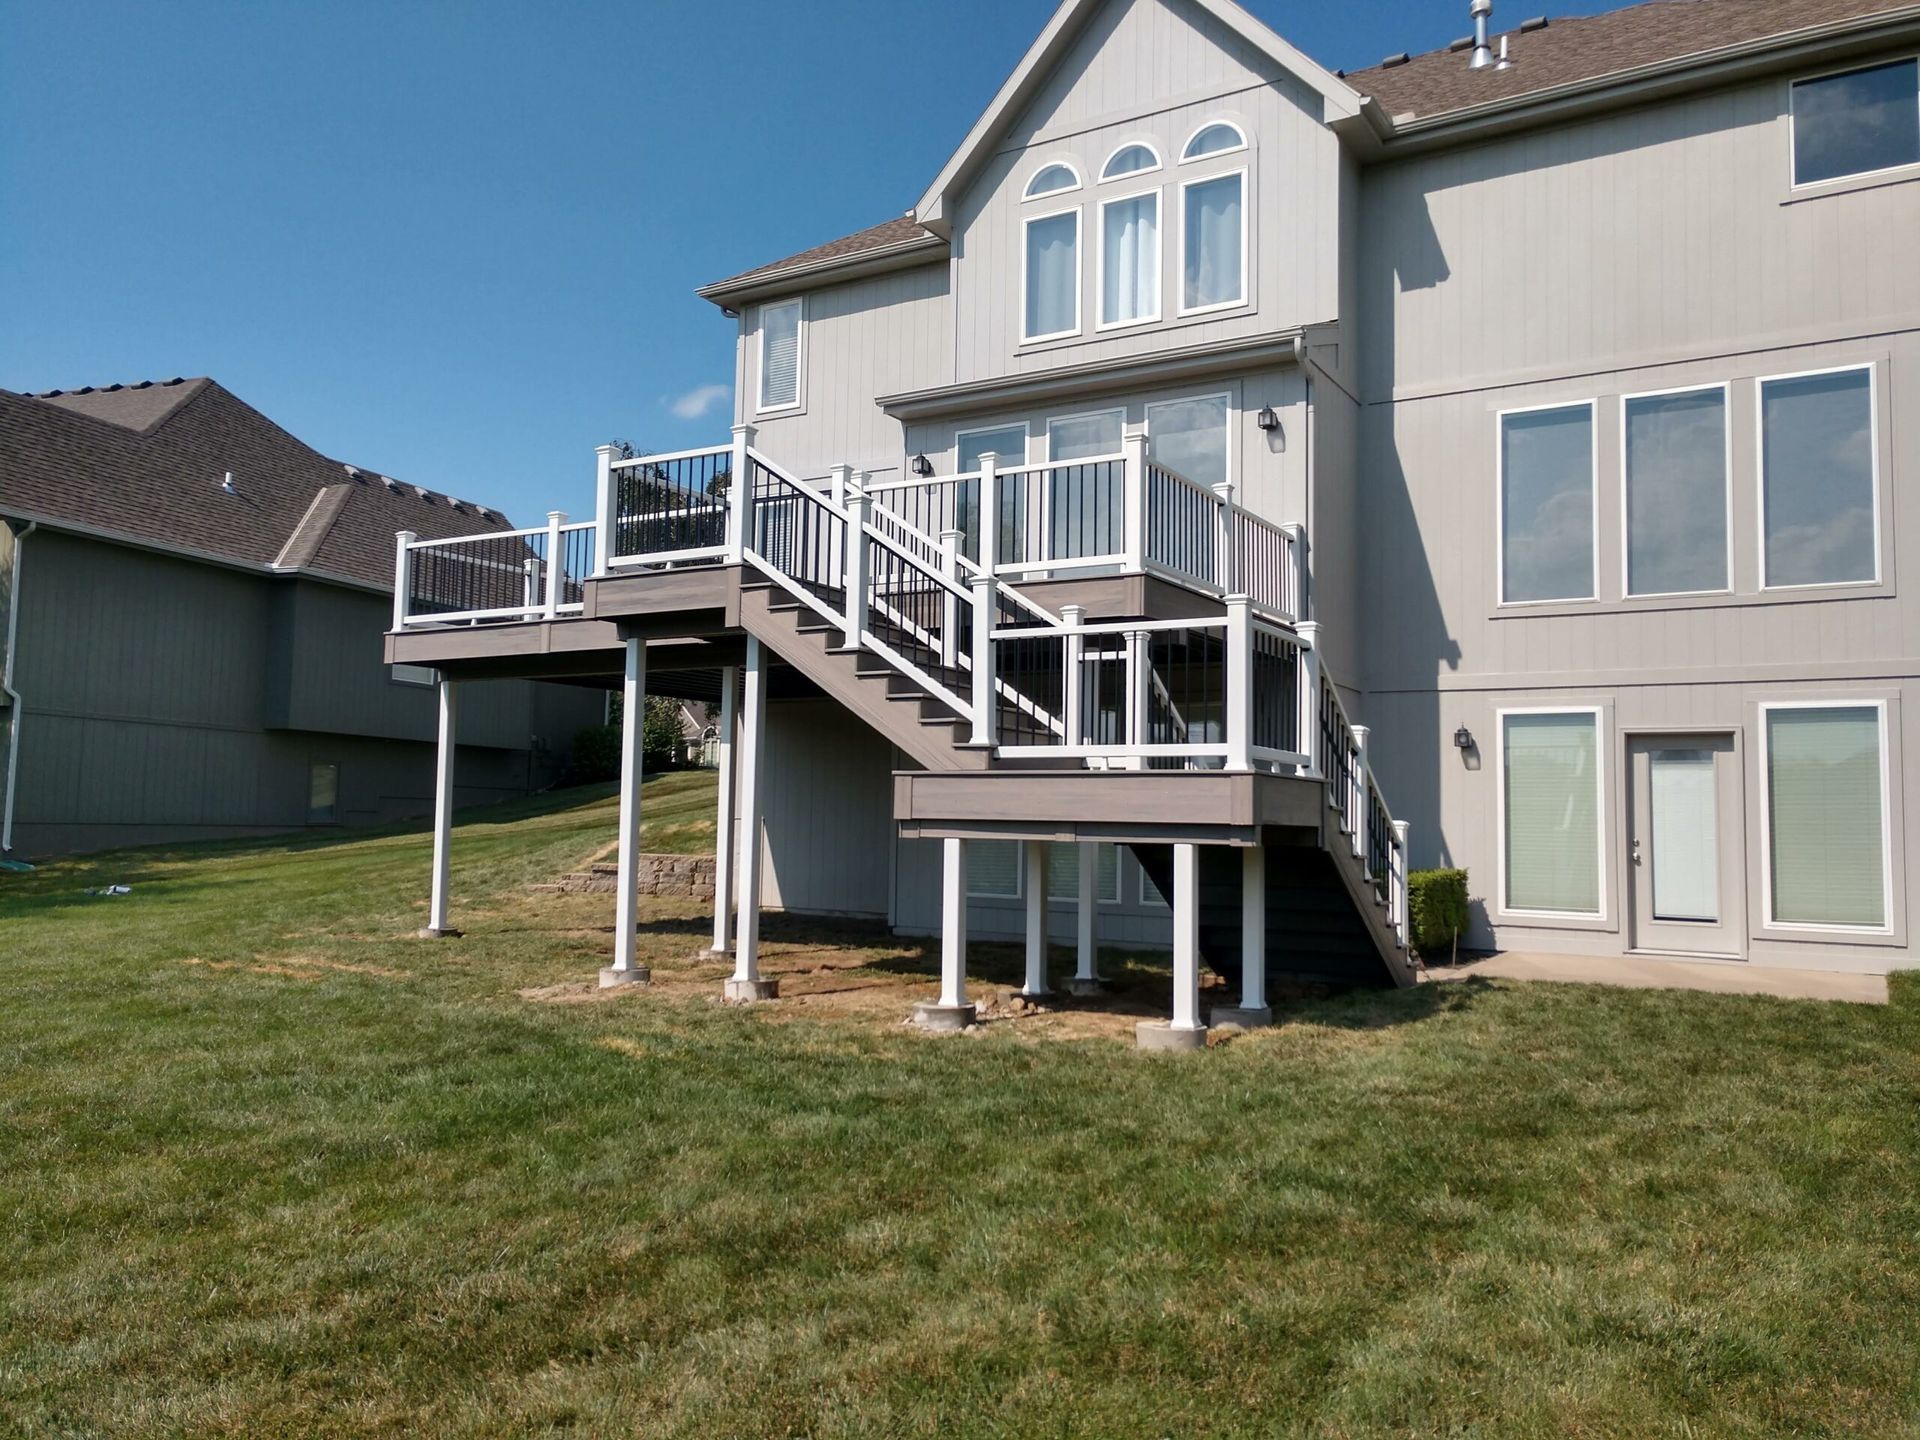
(6, 681)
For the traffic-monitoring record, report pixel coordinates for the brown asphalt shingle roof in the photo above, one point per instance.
(877, 237)
(146, 463)
(1591, 47)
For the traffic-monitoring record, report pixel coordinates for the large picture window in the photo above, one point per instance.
(1130, 259)
(1817, 479)
(1213, 243)
(1051, 303)
(1676, 491)
(1826, 815)
(1550, 790)
(780, 355)
(1857, 123)
(1546, 504)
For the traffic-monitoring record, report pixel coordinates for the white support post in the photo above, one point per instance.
(951, 1011)
(1138, 667)
(723, 813)
(950, 613)
(402, 576)
(1239, 707)
(1034, 853)
(740, 496)
(1133, 509)
(1297, 571)
(857, 561)
(626, 900)
(989, 513)
(1310, 746)
(839, 487)
(1184, 1032)
(1400, 888)
(556, 562)
(746, 983)
(1073, 670)
(1225, 573)
(983, 608)
(437, 924)
(1086, 973)
(604, 512)
(1358, 782)
(531, 585)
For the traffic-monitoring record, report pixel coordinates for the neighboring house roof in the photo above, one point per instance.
(1594, 47)
(145, 464)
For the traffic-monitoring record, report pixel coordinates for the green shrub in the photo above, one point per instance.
(1437, 910)
(596, 755)
(662, 747)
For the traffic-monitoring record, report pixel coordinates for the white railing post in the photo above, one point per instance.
(1225, 573)
(1297, 569)
(1239, 707)
(1139, 680)
(604, 510)
(839, 486)
(739, 495)
(1310, 746)
(983, 607)
(856, 570)
(950, 602)
(402, 575)
(1401, 886)
(556, 561)
(531, 582)
(1361, 799)
(1073, 667)
(1133, 523)
(989, 513)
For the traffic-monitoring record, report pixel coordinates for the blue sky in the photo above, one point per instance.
(457, 242)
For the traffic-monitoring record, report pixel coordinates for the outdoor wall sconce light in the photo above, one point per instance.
(1463, 739)
(921, 466)
(1266, 419)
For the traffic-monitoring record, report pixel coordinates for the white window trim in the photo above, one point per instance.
(1224, 395)
(1146, 145)
(1584, 918)
(1792, 927)
(1627, 591)
(1027, 192)
(1053, 420)
(1147, 897)
(1760, 384)
(1794, 184)
(1024, 426)
(1100, 260)
(1194, 134)
(1079, 270)
(799, 358)
(1180, 270)
(1019, 876)
(1500, 501)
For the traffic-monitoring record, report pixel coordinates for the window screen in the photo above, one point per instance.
(780, 355)
(1824, 818)
(1676, 493)
(1546, 505)
(1063, 872)
(1553, 813)
(1816, 464)
(993, 869)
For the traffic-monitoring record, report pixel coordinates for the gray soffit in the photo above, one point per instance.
(896, 245)
(1097, 377)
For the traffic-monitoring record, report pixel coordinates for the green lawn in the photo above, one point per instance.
(269, 1166)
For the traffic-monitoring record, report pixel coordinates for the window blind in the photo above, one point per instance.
(993, 869)
(1553, 813)
(1063, 872)
(780, 355)
(1824, 816)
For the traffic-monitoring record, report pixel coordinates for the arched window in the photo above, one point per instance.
(1214, 139)
(1053, 179)
(1129, 160)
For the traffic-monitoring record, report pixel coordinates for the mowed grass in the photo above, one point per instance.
(269, 1166)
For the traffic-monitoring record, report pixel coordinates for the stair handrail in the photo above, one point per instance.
(1377, 840)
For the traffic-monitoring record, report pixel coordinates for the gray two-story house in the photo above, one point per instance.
(1232, 483)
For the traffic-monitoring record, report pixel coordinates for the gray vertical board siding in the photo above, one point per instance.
(827, 787)
(1152, 70)
(864, 338)
(1130, 923)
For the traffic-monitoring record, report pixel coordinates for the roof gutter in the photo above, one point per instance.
(15, 708)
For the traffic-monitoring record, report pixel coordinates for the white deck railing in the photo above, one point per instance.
(532, 574)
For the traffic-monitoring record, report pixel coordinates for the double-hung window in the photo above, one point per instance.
(1550, 792)
(1860, 122)
(1546, 505)
(1827, 844)
(1213, 225)
(1675, 448)
(780, 356)
(1819, 520)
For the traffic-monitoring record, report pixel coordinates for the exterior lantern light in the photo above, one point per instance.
(1266, 419)
(922, 466)
(1463, 739)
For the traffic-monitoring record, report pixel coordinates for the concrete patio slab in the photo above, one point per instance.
(1723, 977)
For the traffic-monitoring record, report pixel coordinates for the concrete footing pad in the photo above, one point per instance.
(427, 932)
(639, 975)
(944, 1019)
(1241, 1017)
(1084, 989)
(747, 992)
(1159, 1035)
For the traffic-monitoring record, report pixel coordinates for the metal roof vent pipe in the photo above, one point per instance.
(228, 485)
(1505, 63)
(1482, 51)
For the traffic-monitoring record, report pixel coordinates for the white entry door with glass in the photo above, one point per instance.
(1686, 863)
